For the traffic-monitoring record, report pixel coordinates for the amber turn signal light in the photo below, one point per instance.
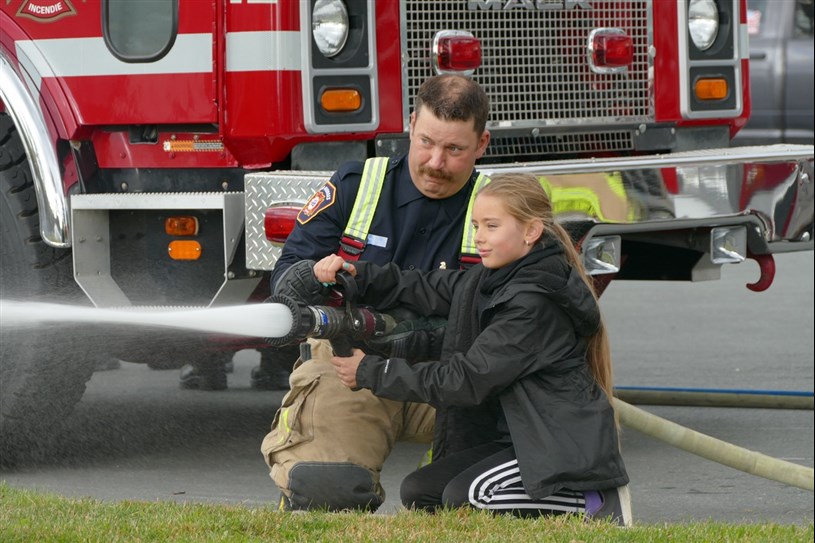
(341, 100)
(183, 249)
(711, 89)
(181, 226)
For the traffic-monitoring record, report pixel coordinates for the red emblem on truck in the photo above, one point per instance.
(46, 11)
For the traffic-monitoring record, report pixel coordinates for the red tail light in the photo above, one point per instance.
(611, 50)
(278, 222)
(456, 51)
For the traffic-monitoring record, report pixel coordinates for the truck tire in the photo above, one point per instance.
(42, 375)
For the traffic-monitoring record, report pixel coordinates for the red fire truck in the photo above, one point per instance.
(154, 152)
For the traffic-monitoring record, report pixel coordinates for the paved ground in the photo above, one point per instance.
(135, 435)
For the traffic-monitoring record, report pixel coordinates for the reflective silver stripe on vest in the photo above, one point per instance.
(468, 238)
(370, 186)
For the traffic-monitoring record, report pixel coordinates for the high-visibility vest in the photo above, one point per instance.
(600, 196)
(354, 236)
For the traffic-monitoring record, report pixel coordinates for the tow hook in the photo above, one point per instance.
(766, 265)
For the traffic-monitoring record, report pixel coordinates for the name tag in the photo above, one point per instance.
(378, 241)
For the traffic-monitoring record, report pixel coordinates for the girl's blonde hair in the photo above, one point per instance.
(525, 199)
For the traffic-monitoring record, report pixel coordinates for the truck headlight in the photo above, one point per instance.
(329, 26)
(703, 23)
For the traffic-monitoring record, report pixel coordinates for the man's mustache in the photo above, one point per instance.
(438, 174)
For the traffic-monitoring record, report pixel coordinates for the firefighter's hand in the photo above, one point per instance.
(346, 368)
(298, 282)
(326, 269)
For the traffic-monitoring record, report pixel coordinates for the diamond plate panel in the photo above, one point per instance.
(265, 190)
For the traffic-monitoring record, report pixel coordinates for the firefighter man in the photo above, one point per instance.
(328, 444)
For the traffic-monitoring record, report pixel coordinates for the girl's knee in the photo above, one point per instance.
(413, 491)
(456, 494)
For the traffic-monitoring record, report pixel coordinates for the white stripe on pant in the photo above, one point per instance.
(500, 489)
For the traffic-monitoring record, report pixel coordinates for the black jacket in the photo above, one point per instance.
(525, 346)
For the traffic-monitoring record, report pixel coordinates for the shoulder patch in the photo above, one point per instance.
(322, 199)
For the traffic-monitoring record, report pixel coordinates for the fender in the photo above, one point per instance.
(51, 199)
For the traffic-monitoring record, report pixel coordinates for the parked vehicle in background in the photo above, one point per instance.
(781, 72)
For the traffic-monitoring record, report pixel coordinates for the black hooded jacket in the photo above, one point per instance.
(516, 341)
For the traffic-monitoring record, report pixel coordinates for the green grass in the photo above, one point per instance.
(28, 516)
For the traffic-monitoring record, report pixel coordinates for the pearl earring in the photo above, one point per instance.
(526, 242)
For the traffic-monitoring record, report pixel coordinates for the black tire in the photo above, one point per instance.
(42, 373)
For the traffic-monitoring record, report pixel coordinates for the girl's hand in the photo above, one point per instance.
(326, 269)
(346, 368)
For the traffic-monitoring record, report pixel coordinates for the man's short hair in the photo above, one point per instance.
(454, 98)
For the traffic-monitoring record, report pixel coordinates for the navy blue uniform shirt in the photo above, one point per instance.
(408, 228)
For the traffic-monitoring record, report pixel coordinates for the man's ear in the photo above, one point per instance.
(411, 124)
(483, 141)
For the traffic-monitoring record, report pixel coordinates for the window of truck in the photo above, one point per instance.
(142, 31)
(803, 18)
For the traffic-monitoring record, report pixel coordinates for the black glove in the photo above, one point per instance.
(298, 282)
(416, 339)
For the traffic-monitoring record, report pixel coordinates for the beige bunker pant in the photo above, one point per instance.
(328, 443)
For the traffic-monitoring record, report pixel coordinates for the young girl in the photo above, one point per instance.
(525, 344)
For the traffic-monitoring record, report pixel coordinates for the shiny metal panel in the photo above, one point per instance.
(264, 190)
(767, 189)
(42, 157)
(91, 240)
(772, 185)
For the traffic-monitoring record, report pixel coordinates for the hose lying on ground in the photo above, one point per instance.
(762, 399)
(714, 449)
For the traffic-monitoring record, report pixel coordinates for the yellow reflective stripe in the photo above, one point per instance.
(577, 199)
(615, 183)
(584, 199)
(427, 459)
(284, 423)
(547, 186)
(468, 236)
(370, 186)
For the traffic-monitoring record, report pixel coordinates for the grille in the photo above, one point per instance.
(535, 71)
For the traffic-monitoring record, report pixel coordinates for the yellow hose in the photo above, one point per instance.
(714, 449)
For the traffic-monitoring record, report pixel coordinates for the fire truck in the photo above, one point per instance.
(155, 153)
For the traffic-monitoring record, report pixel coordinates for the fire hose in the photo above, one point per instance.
(714, 449)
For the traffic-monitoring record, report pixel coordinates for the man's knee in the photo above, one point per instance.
(333, 486)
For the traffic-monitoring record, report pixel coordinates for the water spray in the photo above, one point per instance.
(252, 320)
(281, 320)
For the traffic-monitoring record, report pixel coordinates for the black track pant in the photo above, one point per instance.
(485, 477)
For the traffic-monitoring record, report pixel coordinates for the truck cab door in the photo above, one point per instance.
(766, 72)
(798, 84)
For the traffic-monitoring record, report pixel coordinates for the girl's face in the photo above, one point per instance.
(500, 237)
